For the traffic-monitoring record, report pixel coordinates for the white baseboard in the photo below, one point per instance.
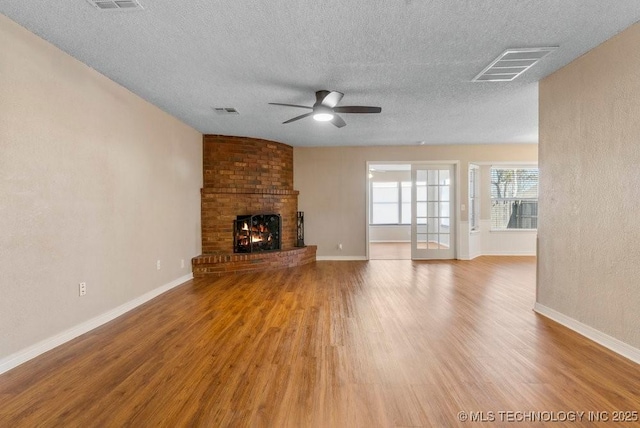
(493, 253)
(390, 242)
(474, 255)
(509, 253)
(341, 258)
(48, 344)
(597, 336)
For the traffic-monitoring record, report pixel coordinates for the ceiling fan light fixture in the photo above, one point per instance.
(325, 109)
(323, 117)
(322, 113)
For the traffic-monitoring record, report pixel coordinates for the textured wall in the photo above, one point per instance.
(333, 185)
(589, 239)
(95, 185)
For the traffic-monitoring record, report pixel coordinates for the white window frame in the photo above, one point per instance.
(400, 203)
(474, 198)
(513, 199)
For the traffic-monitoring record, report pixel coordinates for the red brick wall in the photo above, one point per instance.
(245, 176)
(216, 265)
(246, 163)
(219, 210)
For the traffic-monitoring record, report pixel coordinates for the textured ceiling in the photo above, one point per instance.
(413, 58)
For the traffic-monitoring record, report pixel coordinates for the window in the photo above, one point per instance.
(390, 202)
(514, 198)
(405, 199)
(384, 199)
(474, 197)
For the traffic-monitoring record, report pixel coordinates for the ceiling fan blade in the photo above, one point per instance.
(357, 109)
(302, 116)
(331, 99)
(320, 96)
(291, 105)
(337, 121)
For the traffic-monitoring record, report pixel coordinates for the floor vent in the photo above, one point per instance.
(113, 5)
(511, 64)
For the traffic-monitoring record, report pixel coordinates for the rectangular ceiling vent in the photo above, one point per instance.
(116, 5)
(225, 110)
(512, 63)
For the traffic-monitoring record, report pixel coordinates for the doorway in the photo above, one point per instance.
(389, 211)
(432, 219)
(410, 211)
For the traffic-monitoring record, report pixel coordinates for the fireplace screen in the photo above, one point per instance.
(254, 233)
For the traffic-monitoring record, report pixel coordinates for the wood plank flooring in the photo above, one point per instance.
(390, 251)
(333, 344)
(397, 250)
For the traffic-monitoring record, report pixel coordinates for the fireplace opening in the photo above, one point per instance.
(259, 232)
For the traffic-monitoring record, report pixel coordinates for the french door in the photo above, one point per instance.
(432, 212)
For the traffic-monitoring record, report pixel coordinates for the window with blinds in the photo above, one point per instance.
(514, 198)
(474, 197)
(390, 202)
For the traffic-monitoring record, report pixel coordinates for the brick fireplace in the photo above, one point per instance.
(245, 177)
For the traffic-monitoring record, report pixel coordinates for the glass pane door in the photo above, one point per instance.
(432, 223)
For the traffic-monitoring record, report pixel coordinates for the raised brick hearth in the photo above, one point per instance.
(244, 263)
(244, 176)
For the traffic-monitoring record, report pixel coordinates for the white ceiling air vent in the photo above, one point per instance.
(113, 5)
(225, 110)
(512, 63)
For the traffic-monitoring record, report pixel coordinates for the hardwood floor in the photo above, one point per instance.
(390, 251)
(331, 344)
(397, 250)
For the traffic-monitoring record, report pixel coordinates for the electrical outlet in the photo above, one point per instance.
(82, 288)
(340, 247)
(158, 265)
(182, 263)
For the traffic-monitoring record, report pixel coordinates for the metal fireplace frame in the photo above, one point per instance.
(239, 232)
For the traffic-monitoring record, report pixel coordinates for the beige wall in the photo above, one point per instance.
(589, 237)
(95, 185)
(332, 184)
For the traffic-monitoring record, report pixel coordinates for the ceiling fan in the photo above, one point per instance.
(324, 110)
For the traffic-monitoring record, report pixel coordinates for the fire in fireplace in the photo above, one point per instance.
(260, 232)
